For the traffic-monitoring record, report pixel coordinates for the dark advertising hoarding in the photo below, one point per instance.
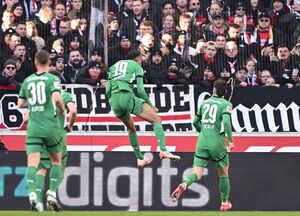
(112, 181)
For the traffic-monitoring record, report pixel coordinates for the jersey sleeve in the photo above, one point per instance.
(22, 93)
(227, 120)
(55, 84)
(67, 98)
(227, 108)
(197, 119)
(139, 71)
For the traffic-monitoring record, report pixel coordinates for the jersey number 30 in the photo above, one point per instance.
(210, 113)
(38, 93)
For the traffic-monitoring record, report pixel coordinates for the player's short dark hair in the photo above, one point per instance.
(132, 54)
(42, 57)
(220, 87)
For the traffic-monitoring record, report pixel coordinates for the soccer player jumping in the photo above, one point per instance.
(123, 102)
(212, 121)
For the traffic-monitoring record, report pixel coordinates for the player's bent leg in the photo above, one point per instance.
(149, 114)
(190, 179)
(133, 139)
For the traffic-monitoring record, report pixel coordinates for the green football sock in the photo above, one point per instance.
(190, 179)
(135, 145)
(224, 187)
(31, 178)
(160, 136)
(55, 177)
(62, 177)
(40, 185)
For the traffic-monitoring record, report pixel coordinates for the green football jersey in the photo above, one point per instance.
(37, 91)
(211, 112)
(122, 76)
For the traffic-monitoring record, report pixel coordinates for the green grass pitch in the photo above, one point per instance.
(151, 213)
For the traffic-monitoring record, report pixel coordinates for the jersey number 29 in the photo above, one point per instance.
(209, 113)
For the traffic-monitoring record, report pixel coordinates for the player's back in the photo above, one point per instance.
(37, 90)
(212, 130)
(122, 76)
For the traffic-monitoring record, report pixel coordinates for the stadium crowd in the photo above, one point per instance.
(256, 42)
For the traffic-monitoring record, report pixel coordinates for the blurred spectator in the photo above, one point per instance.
(59, 14)
(60, 68)
(282, 69)
(156, 71)
(181, 7)
(8, 50)
(18, 12)
(264, 75)
(96, 56)
(146, 46)
(32, 33)
(240, 11)
(93, 75)
(232, 61)
(195, 7)
(43, 23)
(168, 8)
(241, 77)
(119, 51)
(77, 9)
(216, 27)
(168, 25)
(207, 60)
(8, 77)
(75, 63)
(211, 10)
(167, 44)
(283, 20)
(26, 62)
(271, 82)
(8, 19)
(179, 47)
(252, 72)
(131, 24)
(29, 44)
(254, 9)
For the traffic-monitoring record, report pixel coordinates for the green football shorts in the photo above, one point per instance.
(53, 143)
(125, 103)
(202, 157)
(45, 162)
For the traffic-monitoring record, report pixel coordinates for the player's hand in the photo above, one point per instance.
(69, 128)
(230, 146)
(155, 109)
